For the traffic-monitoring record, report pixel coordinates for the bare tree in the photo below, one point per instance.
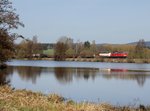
(64, 48)
(28, 49)
(140, 49)
(60, 51)
(8, 20)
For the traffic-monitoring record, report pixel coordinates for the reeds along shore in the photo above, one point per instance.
(23, 100)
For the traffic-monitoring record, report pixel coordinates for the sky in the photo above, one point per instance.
(105, 21)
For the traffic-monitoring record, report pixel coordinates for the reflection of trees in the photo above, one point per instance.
(86, 73)
(140, 77)
(141, 80)
(5, 74)
(65, 75)
(25, 72)
(29, 73)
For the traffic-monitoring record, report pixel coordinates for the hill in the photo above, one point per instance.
(147, 43)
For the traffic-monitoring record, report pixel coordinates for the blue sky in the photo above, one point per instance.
(105, 21)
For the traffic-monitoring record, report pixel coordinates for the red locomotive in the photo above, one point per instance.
(114, 55)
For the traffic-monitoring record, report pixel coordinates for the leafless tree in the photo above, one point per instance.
(8, 20)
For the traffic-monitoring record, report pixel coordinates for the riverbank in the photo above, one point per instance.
(22, 100)
(111, 60)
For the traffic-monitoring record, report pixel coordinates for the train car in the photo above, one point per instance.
(118, 55)
(113, 55)
(105, 54)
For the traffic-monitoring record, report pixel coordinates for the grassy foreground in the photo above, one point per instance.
(22, 100)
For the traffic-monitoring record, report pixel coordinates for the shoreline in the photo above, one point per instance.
(109, 60)
(24, 100)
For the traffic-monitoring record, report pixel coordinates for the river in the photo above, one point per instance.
(114, 83)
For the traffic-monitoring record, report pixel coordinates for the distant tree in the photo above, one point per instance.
(86, 53)
(36, 45)
(140, 45)
(93, 48)
(70, 52)
(88, 50)
(60, 51)
(63, 48)
(8, 20)
(87, 44)
(28, 48)
(66, 40)
(78, 48)
(21, 49)
(25, 49)
(140, 49)
(63, 39)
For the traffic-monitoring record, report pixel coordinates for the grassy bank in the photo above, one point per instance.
(111, 60)
(22, 100)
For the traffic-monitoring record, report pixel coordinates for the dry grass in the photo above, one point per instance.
(22, 100)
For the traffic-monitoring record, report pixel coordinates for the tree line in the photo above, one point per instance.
(64, 48)
(86, 49)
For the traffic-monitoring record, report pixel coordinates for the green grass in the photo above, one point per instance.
(49, 52)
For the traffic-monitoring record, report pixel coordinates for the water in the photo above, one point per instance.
(115, 83)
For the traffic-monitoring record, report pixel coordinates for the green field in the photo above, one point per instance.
(49, 52)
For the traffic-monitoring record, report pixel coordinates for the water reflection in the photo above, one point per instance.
(123, 74)
(28, 73)
(5, 76)
(68, 75)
